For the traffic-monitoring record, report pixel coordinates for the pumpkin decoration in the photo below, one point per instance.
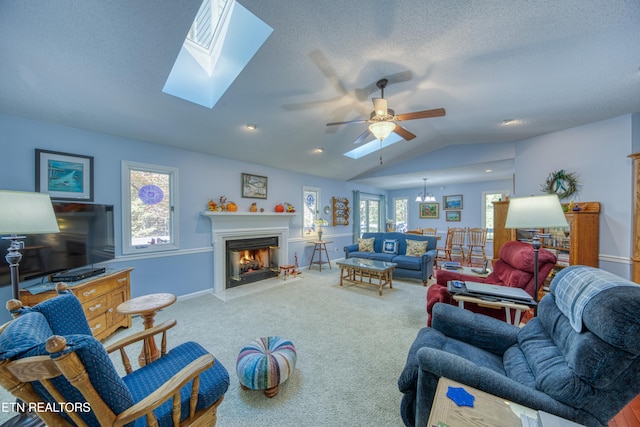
(232, 207)
(212, 205)
(279, 207)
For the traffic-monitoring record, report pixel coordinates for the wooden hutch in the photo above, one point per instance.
(577, 244)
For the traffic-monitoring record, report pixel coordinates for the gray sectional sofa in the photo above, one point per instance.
(408, 266)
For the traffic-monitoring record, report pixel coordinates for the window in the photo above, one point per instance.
(400, 214)
(311, 208)
(487, 212)
(369, 215)
(149, 217)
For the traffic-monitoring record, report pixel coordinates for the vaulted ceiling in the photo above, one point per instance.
(545, 64)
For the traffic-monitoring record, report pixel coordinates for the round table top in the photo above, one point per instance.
(146, 303)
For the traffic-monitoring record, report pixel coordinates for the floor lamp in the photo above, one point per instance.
(23, 213)
(534, 213)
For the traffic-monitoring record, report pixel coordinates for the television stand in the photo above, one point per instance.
(99, 295)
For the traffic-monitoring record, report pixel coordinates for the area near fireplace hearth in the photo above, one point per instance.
(247, 246)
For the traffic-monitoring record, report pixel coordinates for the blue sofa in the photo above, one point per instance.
(578, 359)
(408, 266)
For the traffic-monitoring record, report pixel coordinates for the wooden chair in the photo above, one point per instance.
(418, 231)
(443, 253)
(429, 231)
(48, 354)
(459, 235)
(476, 241)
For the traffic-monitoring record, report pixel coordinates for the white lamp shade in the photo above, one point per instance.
(535, 212)
(26, 213)
(381, 130)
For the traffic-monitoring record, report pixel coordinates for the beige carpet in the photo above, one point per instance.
(351, 345)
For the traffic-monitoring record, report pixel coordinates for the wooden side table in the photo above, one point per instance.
(488, 410)
(318, 247)
(147, 306)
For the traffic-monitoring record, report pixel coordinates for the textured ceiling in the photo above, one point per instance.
(551, 65)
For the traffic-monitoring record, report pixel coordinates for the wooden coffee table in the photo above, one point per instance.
(147, 306)
(360, 270)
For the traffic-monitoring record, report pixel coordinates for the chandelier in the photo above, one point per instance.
(424, 196)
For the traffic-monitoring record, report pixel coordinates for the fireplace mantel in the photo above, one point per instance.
(239, 225)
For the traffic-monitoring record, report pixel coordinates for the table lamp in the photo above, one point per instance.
(534, 213)
(23, 213)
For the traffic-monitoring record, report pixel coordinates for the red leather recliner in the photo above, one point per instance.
(514, 268)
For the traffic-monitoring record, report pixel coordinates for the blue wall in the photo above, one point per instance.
(201, 177)
(597, 152)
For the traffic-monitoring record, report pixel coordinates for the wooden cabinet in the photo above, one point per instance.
(99, 296)
(577, 244)
(501, 235)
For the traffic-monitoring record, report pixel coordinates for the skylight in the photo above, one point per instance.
(373, 146)
(222, 40)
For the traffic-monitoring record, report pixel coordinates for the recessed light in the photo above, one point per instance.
(319, 150)
(250, 126)
(508, 121)
(488, 170)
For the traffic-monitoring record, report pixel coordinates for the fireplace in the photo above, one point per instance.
(230, 226)
(251, 260)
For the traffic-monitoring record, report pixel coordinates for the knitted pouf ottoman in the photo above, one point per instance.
(266, 363)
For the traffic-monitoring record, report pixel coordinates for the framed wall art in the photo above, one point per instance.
(254, 186)
(64, 176)
(430, 210)
(452, 202)
(453, 215)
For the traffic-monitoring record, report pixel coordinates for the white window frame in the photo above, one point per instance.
(503, 193)
(316, 215)
(127, 247)
(395, 219)
(381, 223)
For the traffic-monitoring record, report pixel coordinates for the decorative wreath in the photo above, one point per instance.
(562, 183)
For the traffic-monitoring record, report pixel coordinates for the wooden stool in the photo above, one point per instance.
(286, 270)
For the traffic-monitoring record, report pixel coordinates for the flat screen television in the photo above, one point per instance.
(86, 237)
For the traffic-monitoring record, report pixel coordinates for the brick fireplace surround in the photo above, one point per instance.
(227, 226)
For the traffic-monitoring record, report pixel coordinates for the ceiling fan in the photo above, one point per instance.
(383, 120)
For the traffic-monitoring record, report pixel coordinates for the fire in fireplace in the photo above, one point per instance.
(250, 260)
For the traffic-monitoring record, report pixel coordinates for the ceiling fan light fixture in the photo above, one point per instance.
(380, 106)
(381, 130)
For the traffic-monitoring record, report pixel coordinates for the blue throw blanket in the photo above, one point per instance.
(578, 286)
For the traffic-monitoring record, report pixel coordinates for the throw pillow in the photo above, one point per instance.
(416, 247)
(366, 245)
(390, 246)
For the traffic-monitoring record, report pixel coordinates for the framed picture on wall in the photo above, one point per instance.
(430, 210)
(452, 202)
(453, 215)
(64, 176)
(254, 186)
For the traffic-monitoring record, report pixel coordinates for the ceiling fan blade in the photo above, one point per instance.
(363, 137)
(346, 123)
(437, 112)
(403, 132)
